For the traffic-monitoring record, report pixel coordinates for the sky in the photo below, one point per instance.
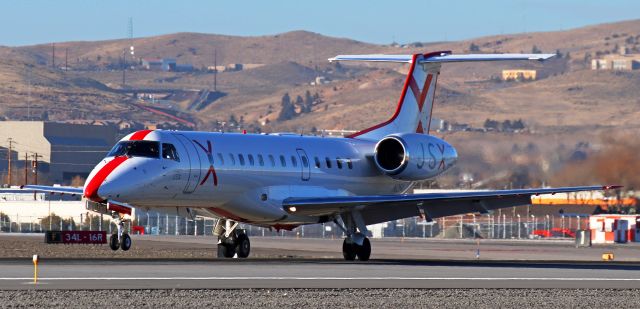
(28, 22)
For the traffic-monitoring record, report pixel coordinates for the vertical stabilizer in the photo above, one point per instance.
(415, 107)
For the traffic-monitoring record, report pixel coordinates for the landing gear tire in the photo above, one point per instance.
(348, 250)
(113, 242)
(364, 252)
(125, 244)
(225, 251)
(243, 246)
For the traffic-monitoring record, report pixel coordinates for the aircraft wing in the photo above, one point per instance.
(383, 208)
(55, 189)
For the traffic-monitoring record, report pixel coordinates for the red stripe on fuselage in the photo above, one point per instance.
(140, 135)
(91, 190)
(226, 214)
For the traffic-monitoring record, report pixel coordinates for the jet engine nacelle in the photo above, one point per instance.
(413, 156)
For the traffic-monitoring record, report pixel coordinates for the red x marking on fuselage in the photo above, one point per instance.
(209, 152)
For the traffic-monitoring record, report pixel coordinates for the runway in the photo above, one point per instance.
(17, 274)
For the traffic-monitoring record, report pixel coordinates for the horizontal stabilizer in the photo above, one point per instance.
(442, 57)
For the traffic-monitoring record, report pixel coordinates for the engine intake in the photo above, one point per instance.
(391, 155)
(412, 156)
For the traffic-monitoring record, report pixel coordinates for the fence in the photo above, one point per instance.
(491, 226)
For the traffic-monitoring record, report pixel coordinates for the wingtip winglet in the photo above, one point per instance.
(611, 187)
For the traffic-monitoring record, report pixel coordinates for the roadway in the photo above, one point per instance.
(17, 274)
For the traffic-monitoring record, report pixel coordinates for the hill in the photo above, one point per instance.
(352, 96)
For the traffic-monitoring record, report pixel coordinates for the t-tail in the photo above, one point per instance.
(415, 106)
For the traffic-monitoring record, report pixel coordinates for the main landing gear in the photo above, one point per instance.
(232, 242)
(120, 240)
(356, 244)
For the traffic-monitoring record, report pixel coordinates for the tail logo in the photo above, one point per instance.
(420, 98)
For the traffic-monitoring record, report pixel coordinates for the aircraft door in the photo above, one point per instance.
(305, 165)
(194, 163)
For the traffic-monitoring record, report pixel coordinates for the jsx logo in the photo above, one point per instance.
(209, 152)
(433, 151)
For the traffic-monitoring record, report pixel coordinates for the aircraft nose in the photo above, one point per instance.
(112, 188)
(93, 187)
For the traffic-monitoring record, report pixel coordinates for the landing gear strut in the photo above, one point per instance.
(356, 244)
(232, 242)
(120, 240)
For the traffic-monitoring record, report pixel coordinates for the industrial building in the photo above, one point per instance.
(617, 62)
(165, 64)
(518, 75)
(63, 150)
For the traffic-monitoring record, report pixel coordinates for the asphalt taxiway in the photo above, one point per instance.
(17, 274)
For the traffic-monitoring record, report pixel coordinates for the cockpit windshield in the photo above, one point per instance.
(149, 149)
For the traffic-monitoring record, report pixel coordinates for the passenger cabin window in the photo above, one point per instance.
(328, 162)
(169, 152)
(305, 161)
(339, 163)
(283, 162)
(260, 160)
(273, 161)
(148, 149)
(221, 158)
(349, 164)
(294, 162)
(251, 161)
(233, 159)
(241, 159)
(317, 162)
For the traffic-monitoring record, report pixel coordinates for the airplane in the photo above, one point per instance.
(285, 180)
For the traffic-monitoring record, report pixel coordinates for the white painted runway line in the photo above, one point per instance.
(329, 278)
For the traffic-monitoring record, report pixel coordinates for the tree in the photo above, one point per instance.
(535, 50)
(308, 102)
(473, 47)
(288, 110)
(518, 125)
(558, 54)
(490, 124)
(506, 125)
(233, 122)
(300, 103)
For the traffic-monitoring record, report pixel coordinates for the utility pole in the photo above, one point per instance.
(66, 59)
(26, 169)
(124, 65)
(215, 70)
(9, 155)
(29, 93)
(34, 164)
(53, 55)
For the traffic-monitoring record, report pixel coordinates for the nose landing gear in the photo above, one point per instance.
(232, 242)
(120, 240)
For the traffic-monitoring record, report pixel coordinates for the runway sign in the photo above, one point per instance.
(76, 237)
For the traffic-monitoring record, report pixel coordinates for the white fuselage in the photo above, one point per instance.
(245, 177)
